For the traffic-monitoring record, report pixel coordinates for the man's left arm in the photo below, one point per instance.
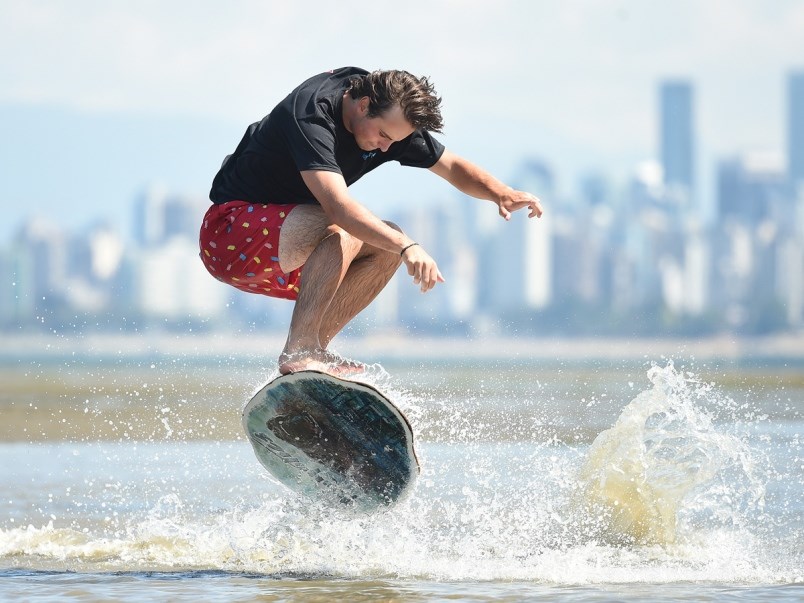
(477, 182)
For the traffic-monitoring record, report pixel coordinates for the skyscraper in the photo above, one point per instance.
(677, 136)
(520, 251)
(795, 127)
(752, 188)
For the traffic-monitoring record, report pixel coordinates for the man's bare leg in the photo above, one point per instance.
(346, 275)
(324, 270)
(366, 277)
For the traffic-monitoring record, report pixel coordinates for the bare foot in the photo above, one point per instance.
(319, 360)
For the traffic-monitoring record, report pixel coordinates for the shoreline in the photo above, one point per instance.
(393, 346)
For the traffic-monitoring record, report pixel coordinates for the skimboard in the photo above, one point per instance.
(337, 441)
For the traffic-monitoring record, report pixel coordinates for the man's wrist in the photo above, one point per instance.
(406, 247)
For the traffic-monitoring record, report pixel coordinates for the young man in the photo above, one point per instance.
(281, 206)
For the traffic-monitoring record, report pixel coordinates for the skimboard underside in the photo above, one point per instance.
(334, 440)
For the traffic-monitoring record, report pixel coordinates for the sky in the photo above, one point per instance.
(102, 99)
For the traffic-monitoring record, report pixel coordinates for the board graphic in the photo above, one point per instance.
(334, 440)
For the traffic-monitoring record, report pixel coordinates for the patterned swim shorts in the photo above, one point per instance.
(240, 246)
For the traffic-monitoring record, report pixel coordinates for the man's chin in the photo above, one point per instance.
(368, 149)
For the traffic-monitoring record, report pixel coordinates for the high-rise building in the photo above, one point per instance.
(149, 216)
(516, 269)
(159, 216)
(677, 137)
(795, 128)
(172, 283)
(751, 188)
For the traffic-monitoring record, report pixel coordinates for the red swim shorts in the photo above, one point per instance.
(240, 247)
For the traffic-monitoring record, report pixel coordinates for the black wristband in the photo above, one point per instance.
(404, 249)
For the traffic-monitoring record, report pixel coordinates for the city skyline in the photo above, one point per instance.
(650, 233)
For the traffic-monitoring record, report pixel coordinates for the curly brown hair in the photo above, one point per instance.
(415, 95)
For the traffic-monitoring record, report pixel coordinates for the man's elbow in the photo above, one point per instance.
(337, 211)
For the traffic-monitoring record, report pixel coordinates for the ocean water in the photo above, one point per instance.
(129, 480)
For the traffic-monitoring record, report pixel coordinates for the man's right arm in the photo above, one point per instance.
(329, 189)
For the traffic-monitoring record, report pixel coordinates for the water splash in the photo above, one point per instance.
(664, 460)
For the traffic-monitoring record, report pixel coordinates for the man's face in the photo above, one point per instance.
(379, 133)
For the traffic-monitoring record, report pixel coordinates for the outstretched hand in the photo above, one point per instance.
(515, 200)
(422, 268)
(477, 182)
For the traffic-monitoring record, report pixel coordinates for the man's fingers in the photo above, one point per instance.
(432, 277)
(519, 201)
(427, 278)
(424, 284)
(536, 210)
(423, 269)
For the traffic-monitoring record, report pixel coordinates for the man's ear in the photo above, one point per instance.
(363, 104)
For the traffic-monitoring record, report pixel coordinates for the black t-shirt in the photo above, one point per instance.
(306, 132)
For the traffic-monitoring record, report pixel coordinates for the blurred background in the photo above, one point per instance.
(665, 140)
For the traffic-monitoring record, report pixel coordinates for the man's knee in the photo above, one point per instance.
(392, 225)
(345, 240)
(393, 259)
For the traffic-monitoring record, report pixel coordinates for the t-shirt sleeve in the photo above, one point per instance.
(311, 143)
(422, 150)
